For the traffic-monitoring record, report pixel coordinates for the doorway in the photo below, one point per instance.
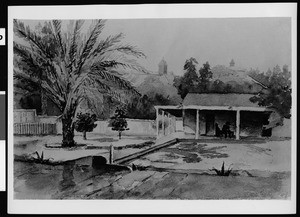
(210, 124)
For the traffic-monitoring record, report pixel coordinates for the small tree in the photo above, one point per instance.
(205, 76)
(118, 122)
(190, 78)
(85, 123)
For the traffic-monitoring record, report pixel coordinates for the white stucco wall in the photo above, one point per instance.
(284, 131)
(136, 127)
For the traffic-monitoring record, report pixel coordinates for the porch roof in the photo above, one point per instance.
(219, 100)
(227, 102)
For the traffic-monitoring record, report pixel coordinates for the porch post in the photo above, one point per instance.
(197, 124)
(183, 114)
(169, 124)
(237, 133)
(163, 122)
(157, 122)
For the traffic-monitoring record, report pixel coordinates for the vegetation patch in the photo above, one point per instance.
(193, 150)
(222, 171)
(188, 157)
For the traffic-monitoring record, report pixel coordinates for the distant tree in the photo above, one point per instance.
(118, 121)
(85, 123)
(140, 108)
(143, 107)
(227, 88)
(190, 78)
(217, 86)
(277, 91)
(205, 76)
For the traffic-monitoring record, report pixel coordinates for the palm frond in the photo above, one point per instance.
(117, 61)
(57, 32)
(43, 85)
(105, 44)
(90, 43)
(74, 43)
(128, 49)
(36, 67)
(31, 37)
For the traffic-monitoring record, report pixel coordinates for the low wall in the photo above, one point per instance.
(136, 126)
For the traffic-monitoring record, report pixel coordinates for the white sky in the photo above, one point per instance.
(252, 42)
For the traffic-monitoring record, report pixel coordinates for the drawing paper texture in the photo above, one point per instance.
(151, 106)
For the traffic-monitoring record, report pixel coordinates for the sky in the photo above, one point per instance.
(252, 42)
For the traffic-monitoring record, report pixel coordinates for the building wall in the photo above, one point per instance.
(284, 131)
(25, 116)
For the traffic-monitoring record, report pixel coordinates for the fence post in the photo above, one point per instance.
(111, 154)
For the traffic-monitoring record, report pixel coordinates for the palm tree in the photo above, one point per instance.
(73, 66)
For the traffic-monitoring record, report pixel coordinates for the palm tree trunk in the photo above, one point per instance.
(84, 135)
(44, 103)
(68, 128)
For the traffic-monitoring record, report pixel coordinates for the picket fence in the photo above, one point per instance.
(34, 129)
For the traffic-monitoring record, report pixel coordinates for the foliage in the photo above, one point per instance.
(222, 171)
(118, 121)
(72, 66)
(85, 123)
(277, 92)
(191, 81)
(143, 107)
(41, 159)
(205, 76)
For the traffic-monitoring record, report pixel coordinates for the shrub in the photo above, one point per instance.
(118, 122)
(85, 123)
(222, 172)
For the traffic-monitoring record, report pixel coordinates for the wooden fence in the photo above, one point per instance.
(34, 128)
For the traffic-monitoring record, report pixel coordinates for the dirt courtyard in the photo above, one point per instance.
(181, 171)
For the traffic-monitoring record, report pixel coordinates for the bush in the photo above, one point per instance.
(118, 122)
(222, 172)
(85, 123)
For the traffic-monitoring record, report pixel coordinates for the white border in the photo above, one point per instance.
(152, 11)
(2, 161)
(2, 165)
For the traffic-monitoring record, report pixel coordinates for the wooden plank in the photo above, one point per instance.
(134, 156)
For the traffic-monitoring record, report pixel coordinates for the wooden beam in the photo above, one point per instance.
(170, 107)
(197, 124)
(237, 133)
(228, 108)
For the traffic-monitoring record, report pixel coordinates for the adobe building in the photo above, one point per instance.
(201, 113)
